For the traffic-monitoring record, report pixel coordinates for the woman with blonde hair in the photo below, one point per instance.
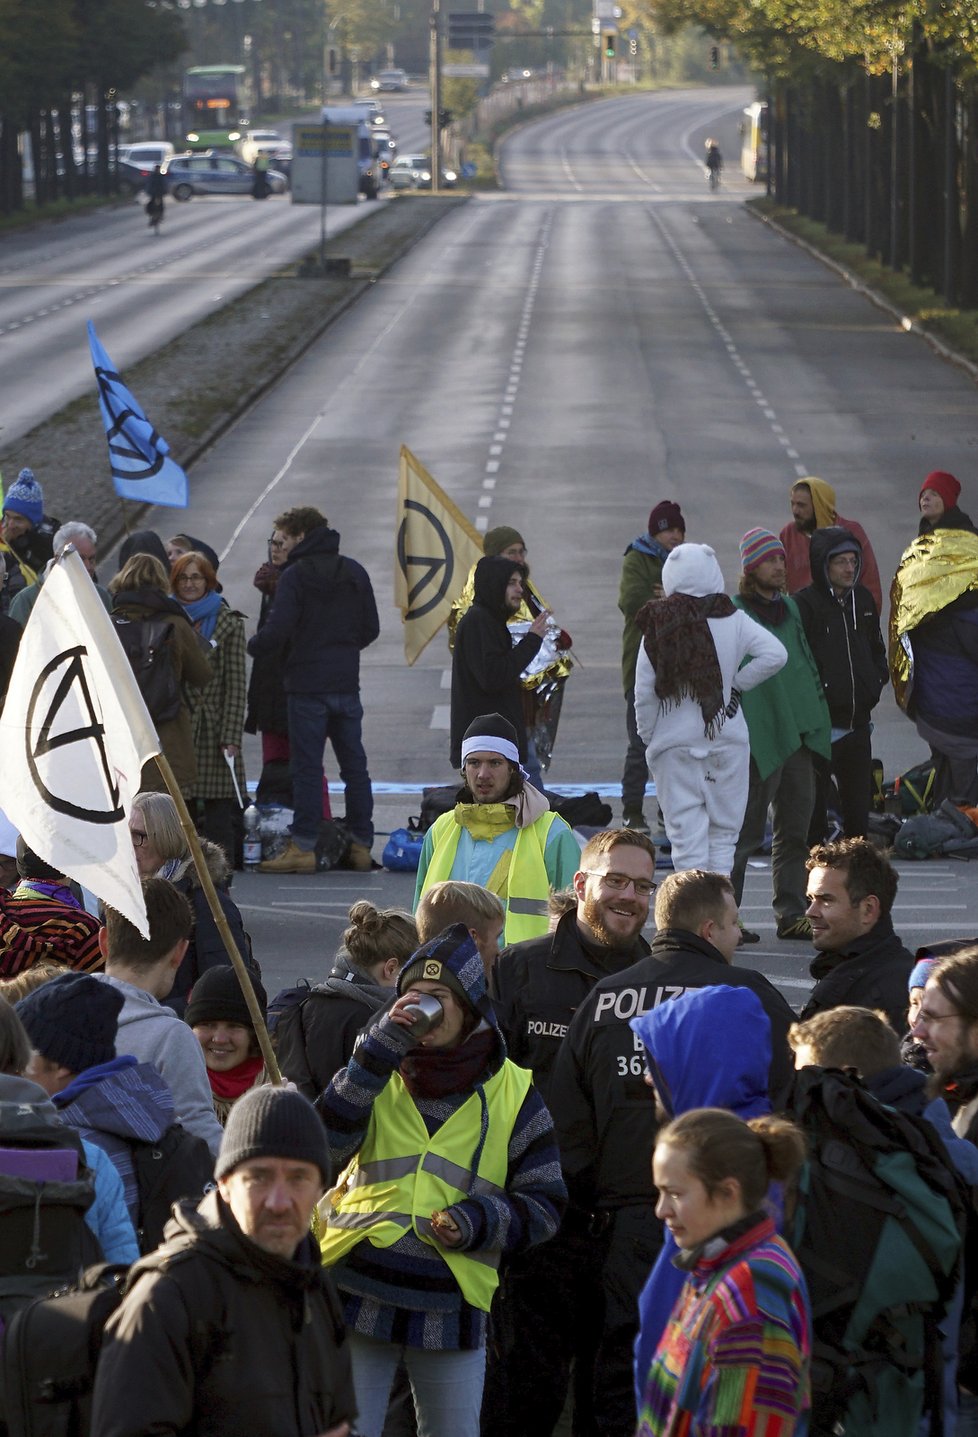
(316, 1037)
(162, 851)
(140, 591)
(217, 710)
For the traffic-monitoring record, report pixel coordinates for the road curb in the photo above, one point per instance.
(912, 326)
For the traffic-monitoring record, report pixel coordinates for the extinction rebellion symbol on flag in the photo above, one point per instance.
(61, 696)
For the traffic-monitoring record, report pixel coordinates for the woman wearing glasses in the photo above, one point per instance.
(217, 710)
(267, 711)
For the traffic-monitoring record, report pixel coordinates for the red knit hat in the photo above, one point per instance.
(666, 515)
(943, 484)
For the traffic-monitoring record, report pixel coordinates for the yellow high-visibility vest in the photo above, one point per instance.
(401, 1175)
(527, 888)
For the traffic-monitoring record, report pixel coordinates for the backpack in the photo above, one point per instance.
(947, 830)
(911, 792)
(878, 1231)
(148, 644)
(281, 1005)
(583, 810)
(179, 1165)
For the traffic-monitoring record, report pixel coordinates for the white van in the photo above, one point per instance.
(146, 153)
(371, 178)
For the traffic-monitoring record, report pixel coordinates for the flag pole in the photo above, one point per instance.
(217, 912)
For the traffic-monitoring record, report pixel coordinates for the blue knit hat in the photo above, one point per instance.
(921, 971)
(72, 1020)
(453, 959)
(24, 497)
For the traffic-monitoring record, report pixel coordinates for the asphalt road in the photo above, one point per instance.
(603, 334)
(141, 291)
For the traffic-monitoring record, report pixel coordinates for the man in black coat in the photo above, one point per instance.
(605, 1117)
(486, 664)
(233, 1326)
(546, 1314)
(324, 614)
(859, 959)
(842, 626)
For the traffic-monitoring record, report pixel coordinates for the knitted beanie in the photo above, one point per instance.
(943, 484)
(921, 971)
(217, 997)
(72, 1020)
(453, 959)
(24, 497)
(491, 733)
(666, 515)
(269, 1122)
(496, 540)
(758, 545)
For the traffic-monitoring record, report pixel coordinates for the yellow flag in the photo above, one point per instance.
(436, 548)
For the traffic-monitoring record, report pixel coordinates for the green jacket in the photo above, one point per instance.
(641, 575)
(788, 711)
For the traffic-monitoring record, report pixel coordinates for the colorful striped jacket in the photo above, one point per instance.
(734, 1358)
(35, 926)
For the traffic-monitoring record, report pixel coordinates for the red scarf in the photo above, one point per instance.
(437, 1072)
(235, 1081)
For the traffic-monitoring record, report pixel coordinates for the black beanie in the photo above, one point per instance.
(272, 1122)
(72, 1020)
(217, 997)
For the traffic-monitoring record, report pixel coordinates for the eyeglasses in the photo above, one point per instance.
(138, 839)
(620, 881)
(924, 1015)
(191, 579)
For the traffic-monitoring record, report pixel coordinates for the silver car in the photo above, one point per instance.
(214, 173)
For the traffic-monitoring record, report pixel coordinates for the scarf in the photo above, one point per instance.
(769, 612)
(42, 888)
(682, 652)
(236, 1080)
(29, 574)
(485, 820)
(439, 1072)
(203, 613)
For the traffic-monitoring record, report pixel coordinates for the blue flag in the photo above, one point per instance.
(141, 469)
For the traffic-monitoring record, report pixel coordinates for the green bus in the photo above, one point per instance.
(215, 106)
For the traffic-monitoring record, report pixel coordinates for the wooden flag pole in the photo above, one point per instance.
(207, 883)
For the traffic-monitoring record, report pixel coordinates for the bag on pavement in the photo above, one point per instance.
(402, 851)
(148, 646)
(878, 1231)
(435, 802)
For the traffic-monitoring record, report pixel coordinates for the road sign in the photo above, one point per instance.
(473, 71)
(324, 164)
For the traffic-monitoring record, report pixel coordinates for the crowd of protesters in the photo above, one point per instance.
(525, 1167)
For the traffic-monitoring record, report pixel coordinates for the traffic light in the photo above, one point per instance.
(332, 61)
(633, 48)
(714, 57)
(609, 46)
(445, 118)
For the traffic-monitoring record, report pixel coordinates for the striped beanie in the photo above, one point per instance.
(758, 545)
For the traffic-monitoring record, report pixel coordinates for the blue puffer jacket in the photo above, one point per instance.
(732, 1032)
(115, 1104)
(323, 614)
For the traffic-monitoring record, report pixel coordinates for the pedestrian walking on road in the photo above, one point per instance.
(155, 192)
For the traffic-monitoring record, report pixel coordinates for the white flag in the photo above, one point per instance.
(74, 735)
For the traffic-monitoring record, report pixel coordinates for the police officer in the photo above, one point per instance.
(606, 1123)
(545, 1316)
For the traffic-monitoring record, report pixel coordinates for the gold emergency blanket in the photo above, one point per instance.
(936, 569)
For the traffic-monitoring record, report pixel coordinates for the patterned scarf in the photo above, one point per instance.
(681, 650)
(438, 1072)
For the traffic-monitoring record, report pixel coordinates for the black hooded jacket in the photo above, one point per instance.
(486, 663)
(843, 635)
(324, 613)
(217, 1336)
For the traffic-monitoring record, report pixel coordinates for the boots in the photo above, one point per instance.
(358, 858)
(292, 859)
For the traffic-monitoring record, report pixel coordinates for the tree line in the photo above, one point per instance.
(873, 121)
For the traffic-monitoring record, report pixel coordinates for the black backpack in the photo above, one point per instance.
(178, 1166)
(149, 648)
(878, 1231)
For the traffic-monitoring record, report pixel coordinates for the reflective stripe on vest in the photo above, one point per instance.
(529, 881)
(384, 1195)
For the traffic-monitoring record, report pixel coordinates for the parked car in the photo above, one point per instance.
(391, 81)
(259, 142)
(413, 172)
(214, 173)
(146, 153)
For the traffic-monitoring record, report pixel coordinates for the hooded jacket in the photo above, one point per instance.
(117, 1104)
(154, 1034)
(747, 654)
(731, 1025)
(641, 575)
(486, 664)
(216, 1336)
(323, 615)
(844, 636)
(796, 543)
(314, 1039)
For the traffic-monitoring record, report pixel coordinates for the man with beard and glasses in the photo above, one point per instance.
(537, 987)
(606, 1125)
